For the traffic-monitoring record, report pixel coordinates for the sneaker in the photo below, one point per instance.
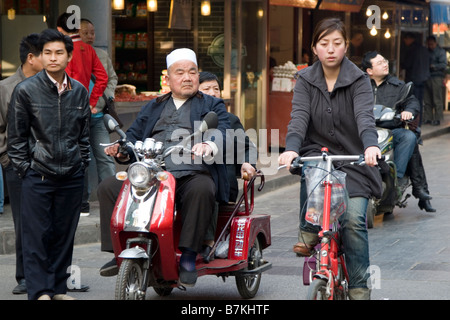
(84, 210)
(109, 269)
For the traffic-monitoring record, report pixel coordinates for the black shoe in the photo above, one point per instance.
(110, 269)
(82, 288)
(21, 288)
(205, 253)
(187, 278)
(436, 123)
(425, 204)
(421, 194)
(84, 212)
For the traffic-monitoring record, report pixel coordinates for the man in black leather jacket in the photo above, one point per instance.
(48, 144)
(387, 91)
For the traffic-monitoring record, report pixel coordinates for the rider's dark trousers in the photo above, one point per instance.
(50, 211)
(195, 196)
(107, 192)
(195, 200)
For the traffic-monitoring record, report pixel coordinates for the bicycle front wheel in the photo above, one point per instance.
(317, 290)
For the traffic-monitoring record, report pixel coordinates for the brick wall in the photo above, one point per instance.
(208, 28)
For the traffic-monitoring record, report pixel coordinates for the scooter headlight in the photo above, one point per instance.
(140, 175)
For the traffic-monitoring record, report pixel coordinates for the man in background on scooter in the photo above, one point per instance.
(387, 91)
(198, 185)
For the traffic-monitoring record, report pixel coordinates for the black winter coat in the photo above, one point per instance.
(341, 120)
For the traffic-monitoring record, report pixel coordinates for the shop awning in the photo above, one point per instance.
(341, 5)
(335, 5)
(440, 11)
(310, 4)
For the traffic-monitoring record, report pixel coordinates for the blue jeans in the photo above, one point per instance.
(405, 142)
(2, 194)
(355, 238)
(103, 163)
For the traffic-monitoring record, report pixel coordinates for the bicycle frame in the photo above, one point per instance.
(329, 256)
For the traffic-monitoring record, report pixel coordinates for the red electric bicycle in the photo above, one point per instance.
(325, 271)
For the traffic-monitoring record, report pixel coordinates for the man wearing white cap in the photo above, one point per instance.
(198, 185)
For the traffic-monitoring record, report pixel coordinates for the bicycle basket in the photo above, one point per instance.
(314, 177)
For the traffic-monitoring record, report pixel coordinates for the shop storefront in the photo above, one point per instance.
(254, 46)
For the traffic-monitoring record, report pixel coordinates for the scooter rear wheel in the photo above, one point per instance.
(248, 285)
(129, 280)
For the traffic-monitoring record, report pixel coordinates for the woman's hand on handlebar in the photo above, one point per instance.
(286, 158)
(371, 155)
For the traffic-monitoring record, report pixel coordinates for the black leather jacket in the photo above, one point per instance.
(48, 132)
(388, 94)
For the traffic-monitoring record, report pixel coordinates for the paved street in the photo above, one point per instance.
(411, 248)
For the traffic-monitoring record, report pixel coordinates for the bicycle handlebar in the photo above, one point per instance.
(356, 159)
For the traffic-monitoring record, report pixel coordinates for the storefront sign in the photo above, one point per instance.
(440, 11)
(217, 52)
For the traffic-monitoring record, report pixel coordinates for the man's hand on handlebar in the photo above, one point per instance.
(113, 151)
(406, 116)
(202, 150)
(247, 171)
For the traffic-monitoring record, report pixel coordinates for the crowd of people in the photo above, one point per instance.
(51, 113)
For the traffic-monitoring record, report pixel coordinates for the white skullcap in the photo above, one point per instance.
(181, 54)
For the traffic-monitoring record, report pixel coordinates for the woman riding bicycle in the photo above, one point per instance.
(333, 107)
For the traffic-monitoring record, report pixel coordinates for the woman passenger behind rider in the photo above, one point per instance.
(209, 84)
(333, 107)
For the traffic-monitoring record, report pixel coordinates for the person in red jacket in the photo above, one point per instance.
(84, 63)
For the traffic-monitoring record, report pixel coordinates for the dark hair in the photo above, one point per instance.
(327, 26)
(366, 63)
(29, 44)
(410, 35)
(431, 38)
(52, 35)
(62, 22)
(208, 76)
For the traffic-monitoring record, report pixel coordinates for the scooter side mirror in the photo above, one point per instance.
(210, 121)
(406, 90)
(113, 126)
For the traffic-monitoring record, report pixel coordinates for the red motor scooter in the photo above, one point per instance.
(145, 227)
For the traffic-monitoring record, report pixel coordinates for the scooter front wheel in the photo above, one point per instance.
(129, 280)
